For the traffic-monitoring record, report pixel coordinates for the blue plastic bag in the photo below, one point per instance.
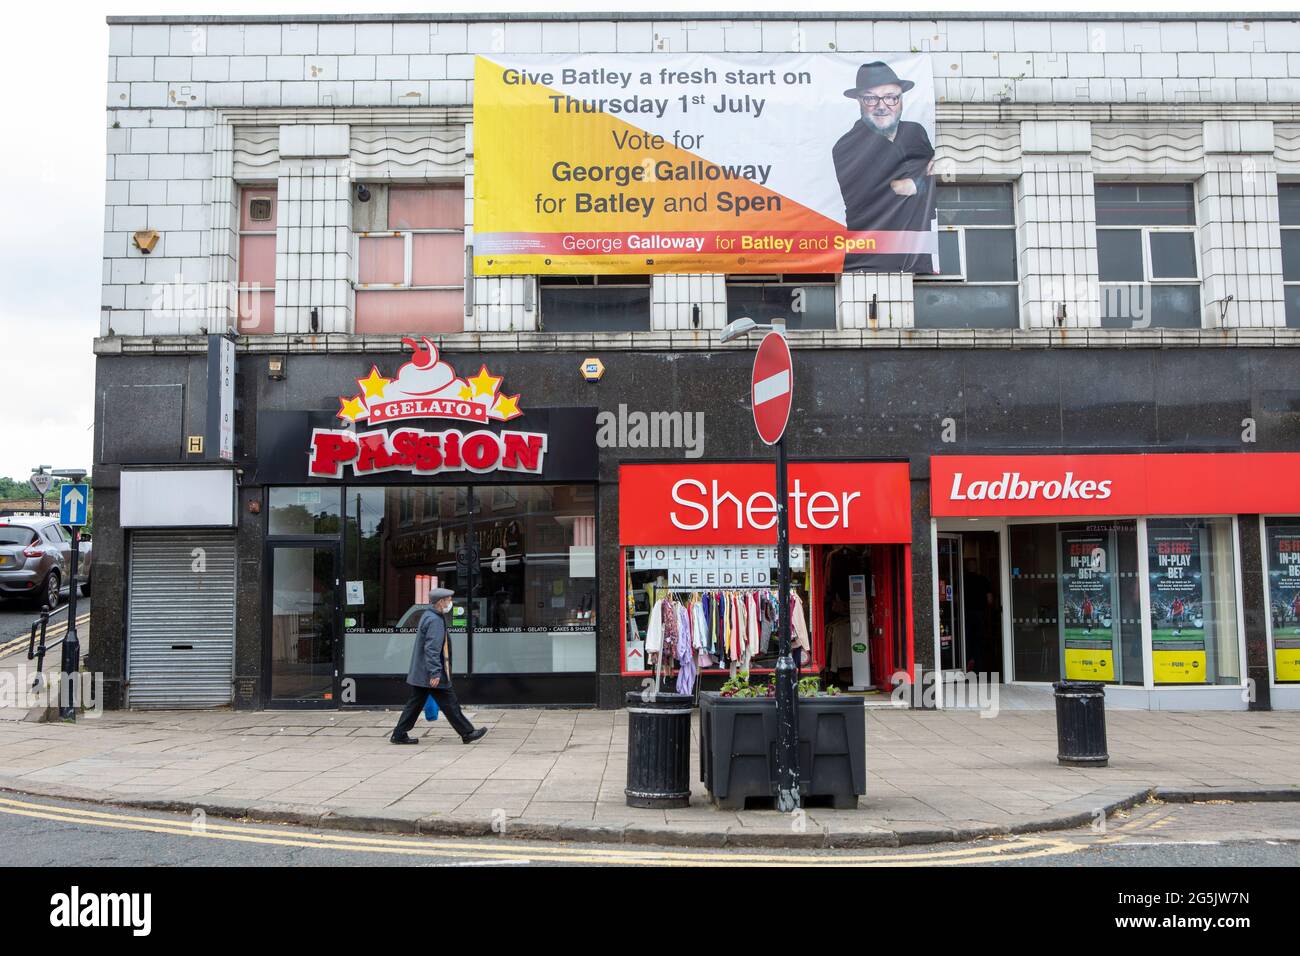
(430, 708)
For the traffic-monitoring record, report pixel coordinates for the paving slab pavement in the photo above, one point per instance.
(932, 776)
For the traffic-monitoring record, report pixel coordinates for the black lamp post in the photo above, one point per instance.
(787, 713)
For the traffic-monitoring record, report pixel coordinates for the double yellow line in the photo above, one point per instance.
(509, 851)
(52, 633)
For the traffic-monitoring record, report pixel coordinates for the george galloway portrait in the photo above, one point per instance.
(885, 167)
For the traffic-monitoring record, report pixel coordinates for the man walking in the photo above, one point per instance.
(430, 674)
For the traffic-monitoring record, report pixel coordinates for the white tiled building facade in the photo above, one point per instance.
(200, 108)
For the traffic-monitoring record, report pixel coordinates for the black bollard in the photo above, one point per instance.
(658, 751)
(1081, 724)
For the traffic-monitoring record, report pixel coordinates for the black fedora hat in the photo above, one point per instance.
(876, 74)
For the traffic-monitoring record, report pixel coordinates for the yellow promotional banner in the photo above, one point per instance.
(731, 163)
(1284, 598)
(1286, 664)
(1086, 664)
(1178, 667)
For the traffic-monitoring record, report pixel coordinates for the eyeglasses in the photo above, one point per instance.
(889, 99)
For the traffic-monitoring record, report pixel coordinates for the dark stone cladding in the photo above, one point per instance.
(849, 404)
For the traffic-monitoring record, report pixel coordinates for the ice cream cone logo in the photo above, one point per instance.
(426, 386)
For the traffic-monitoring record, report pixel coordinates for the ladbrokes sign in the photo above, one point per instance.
(426, 387)
(994, 486)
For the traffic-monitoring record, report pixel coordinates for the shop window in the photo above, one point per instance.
(411, 259)
(803, 301)
(1288, 200)
(598, 303)
(536, 610)
(255, 292)
(313, 510)
(977, 285)
(1193, 593)
(1075, 602)
(687, 573)
(527, 605)
(1282, 541)
(1146, 255)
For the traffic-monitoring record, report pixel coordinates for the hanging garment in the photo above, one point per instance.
(686, 675)
(654, 631)
(799, 627)
(751, 606)
(671, 626)
(682, 649)
(700, 627)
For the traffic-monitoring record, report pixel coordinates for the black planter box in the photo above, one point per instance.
(738, 749)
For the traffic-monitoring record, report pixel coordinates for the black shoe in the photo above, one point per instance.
(403, 740)
(473, 735)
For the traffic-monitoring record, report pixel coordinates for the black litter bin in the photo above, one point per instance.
(658, 751)
(1081, 724)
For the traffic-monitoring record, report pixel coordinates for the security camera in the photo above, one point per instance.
(363, 194)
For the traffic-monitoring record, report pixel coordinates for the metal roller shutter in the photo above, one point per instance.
(180, 622)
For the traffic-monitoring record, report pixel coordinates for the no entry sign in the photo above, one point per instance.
(772, 387)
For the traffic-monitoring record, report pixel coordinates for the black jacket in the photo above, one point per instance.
(865, 164)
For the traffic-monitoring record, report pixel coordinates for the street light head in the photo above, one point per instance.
(72, 474)
(736, 329)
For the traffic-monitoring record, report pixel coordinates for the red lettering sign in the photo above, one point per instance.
(424, 453)
(970, 486)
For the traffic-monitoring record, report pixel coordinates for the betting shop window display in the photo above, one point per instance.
(724, 597)
(521, 560)
(1193, 588)
(1282, 540)
(1075, 602)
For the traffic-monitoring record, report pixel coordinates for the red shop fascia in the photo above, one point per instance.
(729, 503)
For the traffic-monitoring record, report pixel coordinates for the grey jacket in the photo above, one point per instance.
(431, 655)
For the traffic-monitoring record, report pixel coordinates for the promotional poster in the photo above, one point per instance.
(1177, 608)
(1284, 599)
(709, 162)
(1087, 602)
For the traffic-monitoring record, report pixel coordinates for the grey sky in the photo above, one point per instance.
(53, 61)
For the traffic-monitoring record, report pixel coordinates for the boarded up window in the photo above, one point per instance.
(256, 297)
(411, 276)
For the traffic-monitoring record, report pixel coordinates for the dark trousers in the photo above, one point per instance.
(447, 704)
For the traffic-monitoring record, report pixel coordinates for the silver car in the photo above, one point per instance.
(36, 560)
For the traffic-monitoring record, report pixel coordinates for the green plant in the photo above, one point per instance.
(739, 686)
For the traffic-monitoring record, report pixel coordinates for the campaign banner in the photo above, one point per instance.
(1177, 606)
(1087, 606)
(1284, 600)
(706, 162)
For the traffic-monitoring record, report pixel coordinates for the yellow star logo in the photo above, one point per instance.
(465, 392)
(373, 384)
(507, 407)
(350, 409)
(485, 383)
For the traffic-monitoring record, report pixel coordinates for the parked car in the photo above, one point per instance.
(36, 560)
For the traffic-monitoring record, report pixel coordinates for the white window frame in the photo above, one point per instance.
(1148, 278)
(1285, 228)
(408, 254)
(960, 275)
(240, 287)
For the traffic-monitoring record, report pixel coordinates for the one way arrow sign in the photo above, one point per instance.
(72, 505)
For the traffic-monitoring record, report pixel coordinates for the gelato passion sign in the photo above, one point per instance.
(426, 387)
(424, 453)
